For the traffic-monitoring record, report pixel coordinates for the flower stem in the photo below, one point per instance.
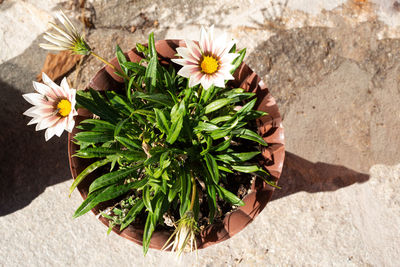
(194, 187)
(109, 64)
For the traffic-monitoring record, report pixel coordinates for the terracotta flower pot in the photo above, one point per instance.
(269, 127)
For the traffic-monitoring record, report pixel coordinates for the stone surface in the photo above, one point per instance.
(333, 67)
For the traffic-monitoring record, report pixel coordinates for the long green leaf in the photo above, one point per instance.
(146, 198)
(111, 178)
(226, 129)
(113, 191)
(175, 130)
(206, 127)
(221, 119)
(162, 122)
(152, 45)
(229, 196)
(87, 204)
(184, 195)
(212, 167)
(157, 98)
(223, 145)
(237, 61)
(95, 152)
(232, 92)
(248, 168)
(119, 126)
(240, 96)
(148, 231)
(133, 212)
(249, 135)
(217, 104)
(93, 137)
(121, 59)
(237, 157)
(151, 74)
(129, 143)
(135, 67)
(87, 171)
(96, 125)
(120, 103)
(105, 194)
(211, 199)
(133, 155)
(246, 108)
(103, 106)
(174, 190)
(93, 106)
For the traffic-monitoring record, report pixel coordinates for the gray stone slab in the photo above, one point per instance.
(334, 70)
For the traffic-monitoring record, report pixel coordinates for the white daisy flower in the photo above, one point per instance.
(208, 62)
(54, 107)
(67, 38)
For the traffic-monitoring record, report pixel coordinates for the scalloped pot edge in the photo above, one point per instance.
(269, 127)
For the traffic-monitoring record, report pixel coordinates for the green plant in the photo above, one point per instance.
(163, 141)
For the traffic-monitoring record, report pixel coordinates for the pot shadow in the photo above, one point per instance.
(28, 163)
(299, 174)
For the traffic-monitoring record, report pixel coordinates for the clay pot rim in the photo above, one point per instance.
(271, 130)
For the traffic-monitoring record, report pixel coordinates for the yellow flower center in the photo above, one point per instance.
(209, 65)
(64, 107)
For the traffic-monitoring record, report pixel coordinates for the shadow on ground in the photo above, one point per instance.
(28, 163)
(302, 175)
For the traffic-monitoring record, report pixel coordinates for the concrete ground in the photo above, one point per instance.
(334, 68)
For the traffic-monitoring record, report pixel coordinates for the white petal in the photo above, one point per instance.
(206, 82)
(34, 120)
(203, 40)
(219, 45)
(47, 122)
(228, 58)
(188, 71)
(49, 133)
(34, 98)
(44, 90)
(52, 47)
(179, 61)
(186, 54)
(67, 23)
(67, 91)
(57, 41)
(193, 81)
(60, 126)
(41, 111)
(72, 97)
(194, 49)
(68, 36)
(210, 38)
(228, 76)
(58, 91)
(225, 71)
(219, 81)
(70, 123)
(29, 112)
(49, 82)
(38, 111)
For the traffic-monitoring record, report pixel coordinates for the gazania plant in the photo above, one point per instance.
(168, 145)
